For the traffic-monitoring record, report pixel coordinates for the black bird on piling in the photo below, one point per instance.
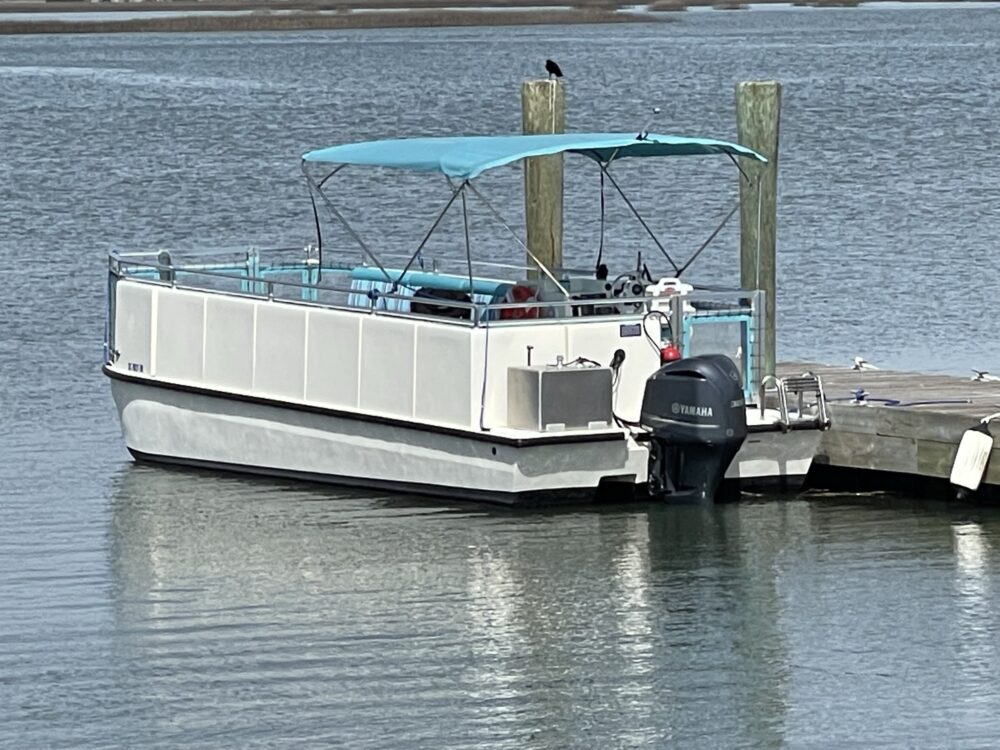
(552, 69)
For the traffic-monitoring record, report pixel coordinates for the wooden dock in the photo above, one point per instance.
(903, 431)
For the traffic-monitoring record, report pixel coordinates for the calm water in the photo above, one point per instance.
(143, 607)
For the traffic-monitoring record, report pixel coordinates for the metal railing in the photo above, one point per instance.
(799, 385)
(249, 276)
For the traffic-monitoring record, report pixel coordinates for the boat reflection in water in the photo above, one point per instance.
(339, 615)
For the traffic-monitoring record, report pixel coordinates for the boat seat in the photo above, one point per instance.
(367, 279)
(435, 302)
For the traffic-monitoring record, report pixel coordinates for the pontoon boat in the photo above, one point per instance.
(472, 380)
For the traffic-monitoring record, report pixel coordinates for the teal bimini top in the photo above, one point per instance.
(466, 157)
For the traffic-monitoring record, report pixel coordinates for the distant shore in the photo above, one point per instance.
(299, 15)
(306, 20)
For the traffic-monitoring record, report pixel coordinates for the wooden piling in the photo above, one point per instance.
(543, 110)
(758, 115)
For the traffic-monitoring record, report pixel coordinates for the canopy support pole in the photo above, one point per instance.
(541, 266)
(455, 193)
(739, 166)
(340, 217)
(319, 229)
(711, 237)
(600, 247)
(468, 244)
(614, 183)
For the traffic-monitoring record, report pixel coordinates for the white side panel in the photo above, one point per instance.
(598, 341)
(387, 351)
(507, 346)
(443, 369)
(229, 343)
(332, 371)
(594, 339)
(280, 351)
(133, 324)
(180, 334)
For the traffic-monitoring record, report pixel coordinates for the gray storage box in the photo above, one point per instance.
(547, 397)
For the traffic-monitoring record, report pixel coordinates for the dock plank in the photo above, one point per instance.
(916, 433)
(934, 459)
(866, 451)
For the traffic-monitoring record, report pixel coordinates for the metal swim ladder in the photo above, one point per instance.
(797, 386)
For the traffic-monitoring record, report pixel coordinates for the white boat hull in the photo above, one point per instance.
(187, 427)
(775, 459)
(195, 429)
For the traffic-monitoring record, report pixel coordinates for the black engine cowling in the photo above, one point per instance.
(696, 416)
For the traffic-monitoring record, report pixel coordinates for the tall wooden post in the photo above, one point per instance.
(543, 110)
(758, 114)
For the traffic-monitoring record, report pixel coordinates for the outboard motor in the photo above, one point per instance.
(696, 415)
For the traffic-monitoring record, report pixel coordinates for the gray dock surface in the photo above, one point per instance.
(908, 423)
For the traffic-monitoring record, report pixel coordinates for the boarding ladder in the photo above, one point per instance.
(795, 388)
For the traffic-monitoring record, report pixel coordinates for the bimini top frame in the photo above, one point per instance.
(463, 158)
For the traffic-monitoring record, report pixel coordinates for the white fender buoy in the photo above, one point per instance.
(972, 457)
